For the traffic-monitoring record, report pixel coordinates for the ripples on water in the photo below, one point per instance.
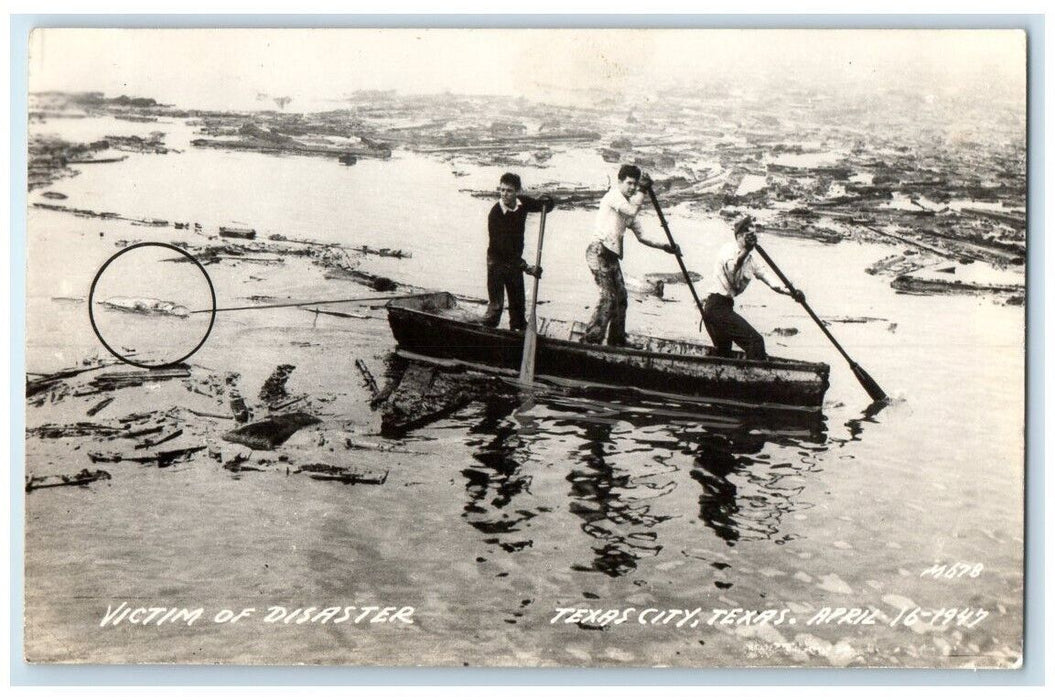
(623, 465)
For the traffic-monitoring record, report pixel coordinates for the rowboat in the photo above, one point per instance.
(433, 326)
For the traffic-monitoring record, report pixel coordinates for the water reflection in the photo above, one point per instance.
(746, 494)
(495, 482)
(633, 469)
(856, 425)
(613, 504)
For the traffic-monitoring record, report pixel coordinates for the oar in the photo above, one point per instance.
(527, 359)
(681, 263)
(867, 382)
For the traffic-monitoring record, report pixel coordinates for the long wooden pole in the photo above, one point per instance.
(863, 377)
(527, 359)
(670, 238)
(305, 303)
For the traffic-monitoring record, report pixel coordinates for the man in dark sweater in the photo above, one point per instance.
(505, 263)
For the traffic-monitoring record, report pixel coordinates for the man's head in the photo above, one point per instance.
(628, 179)
(745, 232)
(509, 188)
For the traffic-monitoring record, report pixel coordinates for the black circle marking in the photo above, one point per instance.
(91, 305)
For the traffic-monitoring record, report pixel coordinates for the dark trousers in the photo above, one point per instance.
(502, 279)
(610, 313)
(726, 327)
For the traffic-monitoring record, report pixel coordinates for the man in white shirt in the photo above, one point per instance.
(733, 269)
(618, 212)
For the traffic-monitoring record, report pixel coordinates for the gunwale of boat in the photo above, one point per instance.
(414, 304)
(566, 383)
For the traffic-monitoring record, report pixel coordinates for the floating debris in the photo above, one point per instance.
(149, 222)
(375, 282)
(382, 252)
(919, 285)
(274, 389)
(99, 406)
(238, 463)
(81, 478)
(155, 143)
(239, 409)
(270, 432)
(287, 403)
(854, 319)
(44, 382)
(242, 232)
(644, 287)
(51, 431)
(168, 457)
(672, 277)
(368, 379)
(345, 475)
(122, 380)
(419, 394)
(271, 139)
(815, 233)
(85, 160)
(147, 306)
(163, 459)
(153, 443)
(898, 264)
(1015, 219)
(206, 414)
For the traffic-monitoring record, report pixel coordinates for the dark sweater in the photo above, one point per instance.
(505, 231)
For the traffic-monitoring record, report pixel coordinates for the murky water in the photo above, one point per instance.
(497, 516)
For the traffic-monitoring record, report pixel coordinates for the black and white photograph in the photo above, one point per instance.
(526, 347)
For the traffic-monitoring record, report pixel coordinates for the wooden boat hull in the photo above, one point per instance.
(430, 326)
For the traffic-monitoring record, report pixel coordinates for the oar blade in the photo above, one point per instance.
(868, 383)
(527, 360)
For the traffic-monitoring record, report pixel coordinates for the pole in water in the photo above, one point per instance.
(315, 302)
(527, 358)
(681, 263)
(870, 385)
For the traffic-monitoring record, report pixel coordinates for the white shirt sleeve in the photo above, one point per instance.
(625, 207)
(635, 226)
(761, 271)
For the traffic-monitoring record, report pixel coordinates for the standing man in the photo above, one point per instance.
(617, 212)
(506, 266)
(733, 269)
